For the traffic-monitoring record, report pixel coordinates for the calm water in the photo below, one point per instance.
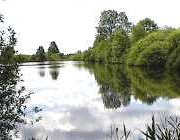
(84, 102)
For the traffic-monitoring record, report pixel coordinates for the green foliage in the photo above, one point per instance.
(89, 55)
(148, 24)
(138, 33)
(12, 100)
(174, 60)
(12, 97)
(7, 43)
(143, 28)
(100, 50)
(7, 55)
(110, 21)
(112, 44)
(120, 44)
(150, 51)
(147, 45)
(77, 57)
(53, 48)
(40, 54)
(53, 57)
(168, 129)
(112, 50)
(20, 58)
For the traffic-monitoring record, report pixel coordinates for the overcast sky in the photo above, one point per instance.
(71, 23)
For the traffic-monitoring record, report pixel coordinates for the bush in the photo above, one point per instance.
(53, 57)
(120, 44)
(23, 58)
(111, 50)
(173, 62)
(150, 51)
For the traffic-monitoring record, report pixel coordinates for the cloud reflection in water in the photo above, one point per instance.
(74, 107)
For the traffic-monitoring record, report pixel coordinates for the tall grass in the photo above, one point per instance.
(167, 128)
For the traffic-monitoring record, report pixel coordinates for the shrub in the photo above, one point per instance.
(173, 62)
(120, 44)
(152, 50)
(53, 57)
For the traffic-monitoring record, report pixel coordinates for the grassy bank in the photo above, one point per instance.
(22, 58)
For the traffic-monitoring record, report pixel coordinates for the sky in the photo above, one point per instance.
(71, 23)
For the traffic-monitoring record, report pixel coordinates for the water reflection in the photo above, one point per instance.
(118, 83)
(42, 71)
(148, 85)
(54, 70)
(88, 99)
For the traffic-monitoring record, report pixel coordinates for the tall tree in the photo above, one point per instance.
(110, 21)
(148, 24)
(120, 44)
(138, 32)
(40, 54)
(143, 28)
(53, 48)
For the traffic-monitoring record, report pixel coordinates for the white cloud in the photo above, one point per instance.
(72, 23)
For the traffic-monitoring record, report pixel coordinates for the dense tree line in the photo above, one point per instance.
(52, 54)
(143, 44)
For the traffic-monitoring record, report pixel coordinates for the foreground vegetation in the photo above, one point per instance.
(53, 54)
(13, 98)
(166, 128)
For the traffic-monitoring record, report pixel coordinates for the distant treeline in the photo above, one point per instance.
(52, 54)
(144, 44)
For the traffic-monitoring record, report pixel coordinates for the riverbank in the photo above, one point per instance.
(157, 49)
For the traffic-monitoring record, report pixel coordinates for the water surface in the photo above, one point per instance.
(85, 101)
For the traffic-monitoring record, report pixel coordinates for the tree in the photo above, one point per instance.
(143, 28)
(138, 33)
(53, 48)
(7, 42)
(12, 97)
(110, 21)
(40, 53)
(54, 71)
(149, 25)
(12, 100)
(120, 43)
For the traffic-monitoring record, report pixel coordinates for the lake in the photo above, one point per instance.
(87, 101)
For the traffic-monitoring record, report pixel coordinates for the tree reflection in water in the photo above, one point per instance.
(54, 70)
(113, 82)
(110, 99)
(118, 83)
(42, 71)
